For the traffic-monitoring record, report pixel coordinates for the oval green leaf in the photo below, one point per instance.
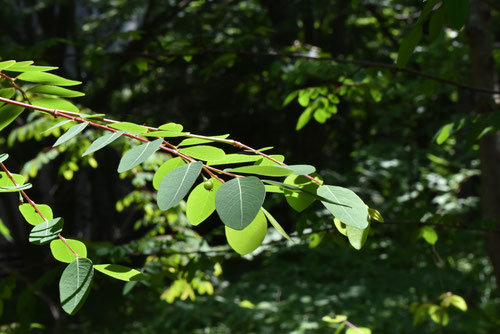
(357, 237)
(120, 272)
(6, 64)
(47, 78)
(204, 152)
(276, 171)
(201, 202)
(300, 200)
(75, 283)
(239, 200)
(171, 127)
(352, 211)
(103, 141)
(32, 217)
(129, 127)
(166, 168)
(55, 103)
(176, 184)
(248, 239)
(137, 155)
(46, 231)
(8, 113)
(62, 253)
(300, 169)
(5, 180)
(55, 90)
(72, 132)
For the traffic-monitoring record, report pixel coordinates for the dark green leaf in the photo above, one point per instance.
(409, 44)
(138, 155)
(72, 132)
(436, 24)
(103, 141)
(353, 212)
(176, 184)
(46, 231)
(456, 13)
(239, 200)
(47, 78)
(75, 283)
(8, 113)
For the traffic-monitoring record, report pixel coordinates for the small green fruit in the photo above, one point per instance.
(208, 185)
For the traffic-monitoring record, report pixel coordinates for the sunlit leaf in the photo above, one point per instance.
(248, 239)
(275, 224)
(341, 227)
(25, 67)
(204, 152)
(338, 319)
(8, 113)
(103, 141)
(300, 200)
(120, 272)
(444, 133)
(137, 155)
(166, 168)
(201, 202)
(3, 157)
(5, 180)
(300, 169)
(75, 283)
(358, 330)
(129, 127)
(55, 90)
(198, 141)
(15, 188)
(458, 302)
(165, 134)
(6, 64)
(239, 200)
(375, 215)
(47, 78)
(262, 170)
(428, 233)
(356, 236)
(353, 212)
(33, 217)
(62, 253)
(171, 127)
(46, 231)
(55, 103)
(304, 118)
(70, 133)
(176, 184)
(7, 93)
(234, 159)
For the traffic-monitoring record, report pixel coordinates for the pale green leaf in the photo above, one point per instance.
(72, 132)
(165, 134)
(428, 233)
(239, 200)
(171, 127)
(32, 217)
(8, 113)
(300, 169)
(352, 212)
(15, 188)
(129, 127)
(275, 224)
(338, 319)
(120, 272)
(176, 184)
(55, 103)
(300, 200)
(261, 170)
(166, 168)
(198, 141)
(3, 157)
(201, 202)
(5, 180)
(6, 64)
(248, 239)
(75, 283)
(103, 141)
(46, 231)
(204, 152)
(304, 118)
(55, 90)
(458, 302)
(263, 161)
(47, 78)
(357, 237)
(26, 67)
(137, 155)
(341, 227)
(62, 253)
(358, 330)
(444, 133)
(234, 158)
(55, 126)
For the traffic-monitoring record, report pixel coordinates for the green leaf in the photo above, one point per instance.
(55, 90)
(72, 132)
(15, 188)
(436, 24)
(103, 141)
(32, 217)
(204, 152)
(275, 224)
(234, 158)
(129, 127)
(120, 272)
(137, 155)
(355, 214)
(239, 200)
(458, 302)
(6, 64)
(75, 283)
(304, 97)
(7, 93)
(248, 239)
(8, 113)
(438, 315)
(262, 170)
(428, 233)
(375, 215)
(3, 157)
(166, 168)
(357, 237)
(5, 180)
(176, 184)
(268, 162)
(444, 133)
(409, 44)
(62, 253)
(46, 231)
(300, 200)
(198, 141)
(165, 134)
(338, 319)
(358, 330)
(55, 103)
(341, 227)
(171, 127)
(55, 126)
(304, 118)
(47, 78)
(290, 97)
(300, 169)
(429, 6)
(26, 67)
(201, 202)
(456, 13)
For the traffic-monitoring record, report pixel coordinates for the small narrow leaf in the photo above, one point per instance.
(239, 200)
(300, 169)
(55, 126)
(62, 253)
(55, 90)
(166, 168)
(290, 97)
(275, 224)
(177, 184)
(129, 127)
(72, 132)
(6, 64)
(138, 155)
(120, 272)
(201, 202)
(204, 152)
(409, 44)
(198, 141)
(165, 134)
(46, 231)
(32, 217)
(15, 188)
(304, 118)
(357, 237)
(47, 78)
(25, 67)
(248, 239)
(262, 170)
(268, 162)
(75, 283)
(234, 158)
(444, 133)
(353, 212)
(103, 141)
(8, 113)
(55, 103)
(3, 157)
